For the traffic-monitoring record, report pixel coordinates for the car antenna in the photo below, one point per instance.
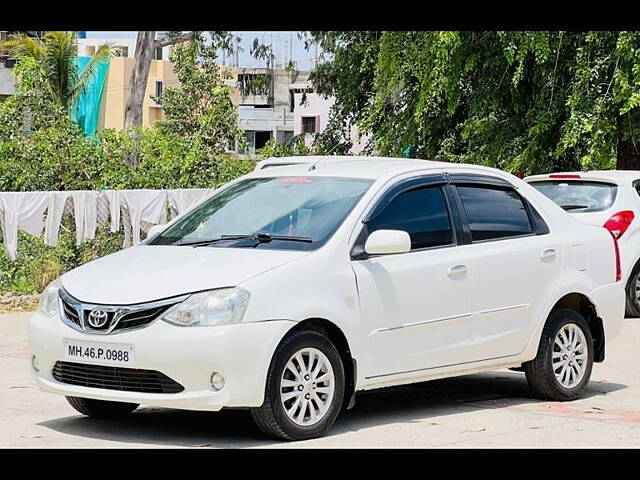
(313, 166)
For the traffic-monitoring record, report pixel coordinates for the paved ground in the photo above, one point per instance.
(486, 410)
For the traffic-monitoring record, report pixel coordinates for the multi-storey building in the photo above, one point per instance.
(116, 89)
(268, 113)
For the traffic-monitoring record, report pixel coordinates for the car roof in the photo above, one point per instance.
(619, 177)
(372, 167)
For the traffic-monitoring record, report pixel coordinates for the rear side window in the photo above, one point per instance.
(578, 196)
(422, 213)
(494, 213)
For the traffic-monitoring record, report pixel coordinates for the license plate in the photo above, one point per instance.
(104, 353)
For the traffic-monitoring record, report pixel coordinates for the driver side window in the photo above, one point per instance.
(421, 212)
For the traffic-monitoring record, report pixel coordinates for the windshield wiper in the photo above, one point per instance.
(574, 207)
(259, 237)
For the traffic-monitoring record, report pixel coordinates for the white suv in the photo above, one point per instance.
(607, 198)
(293, 287)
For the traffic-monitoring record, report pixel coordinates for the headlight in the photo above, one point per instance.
(215, 307)
(48, 304)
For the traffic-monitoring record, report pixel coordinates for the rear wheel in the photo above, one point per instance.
(633, 293)
(101, 408)
(304, 390)
(562, 368)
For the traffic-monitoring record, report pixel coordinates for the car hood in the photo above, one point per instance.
(145, 273)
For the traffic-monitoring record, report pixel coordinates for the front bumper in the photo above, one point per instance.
(189, 355)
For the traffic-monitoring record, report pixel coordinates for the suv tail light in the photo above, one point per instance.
(619, 222)
(617, 249)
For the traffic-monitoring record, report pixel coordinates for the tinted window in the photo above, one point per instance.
(422, 213)
(578, 196)
(494, 213)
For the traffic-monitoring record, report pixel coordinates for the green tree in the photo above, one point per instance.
(53, 68)
(200, 107)
(522, 101)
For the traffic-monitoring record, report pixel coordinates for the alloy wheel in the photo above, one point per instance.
(307, 386)
(569, 357)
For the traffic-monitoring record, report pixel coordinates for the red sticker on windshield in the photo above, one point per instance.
(296, 180)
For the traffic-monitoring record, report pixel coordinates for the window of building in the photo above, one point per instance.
(310, 124)
(158, 53)
(494, 213)
(262, 137)
(422, 213)
(122, 51)
(158, 95)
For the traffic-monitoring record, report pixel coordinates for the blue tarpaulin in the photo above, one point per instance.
(86, 109)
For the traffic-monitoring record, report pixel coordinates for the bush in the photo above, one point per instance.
(38, 264)
(59, 157)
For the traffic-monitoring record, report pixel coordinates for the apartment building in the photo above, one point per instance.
(116, 89)
(268, 113)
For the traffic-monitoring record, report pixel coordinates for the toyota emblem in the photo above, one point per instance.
(98, 318)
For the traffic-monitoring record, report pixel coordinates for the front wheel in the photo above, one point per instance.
(562, 368)
(304, 390)
(101, 408)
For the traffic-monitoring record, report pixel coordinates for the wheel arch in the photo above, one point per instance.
(580, 303)
(339, 339)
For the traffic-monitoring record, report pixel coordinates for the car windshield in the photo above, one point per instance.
(295, 213)
(578, 196)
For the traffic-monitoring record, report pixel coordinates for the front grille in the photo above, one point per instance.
(71, 313)
(115, 378)
(119, 318)
(141, 317)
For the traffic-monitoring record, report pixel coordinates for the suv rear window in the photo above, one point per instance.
(578, 196)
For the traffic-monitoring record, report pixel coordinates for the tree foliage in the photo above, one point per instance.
(522, 101)
(200, 107)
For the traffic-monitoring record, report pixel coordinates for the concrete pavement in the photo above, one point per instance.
(493, 409)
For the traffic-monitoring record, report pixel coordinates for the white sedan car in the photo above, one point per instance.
(607, 198)
(293, 287)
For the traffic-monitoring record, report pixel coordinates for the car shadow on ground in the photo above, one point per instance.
(235, 428)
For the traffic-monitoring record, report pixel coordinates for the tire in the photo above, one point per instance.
(540, 371)
(632, 306)
(272, 417)
(101, 408)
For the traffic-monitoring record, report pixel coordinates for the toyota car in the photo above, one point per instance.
(292, 288)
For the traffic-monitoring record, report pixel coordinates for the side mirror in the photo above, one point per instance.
(382, 242)
(155, 229)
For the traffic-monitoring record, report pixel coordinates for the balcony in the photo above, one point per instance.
(252, 118)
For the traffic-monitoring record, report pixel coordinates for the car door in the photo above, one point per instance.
(415, 306)
(513, 262)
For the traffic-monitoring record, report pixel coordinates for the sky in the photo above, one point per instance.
(285, 44)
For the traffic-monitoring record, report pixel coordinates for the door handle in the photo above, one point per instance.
(548, 254)
(457, 270)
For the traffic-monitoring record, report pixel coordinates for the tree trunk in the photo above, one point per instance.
(628, 157)
(139, 76)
